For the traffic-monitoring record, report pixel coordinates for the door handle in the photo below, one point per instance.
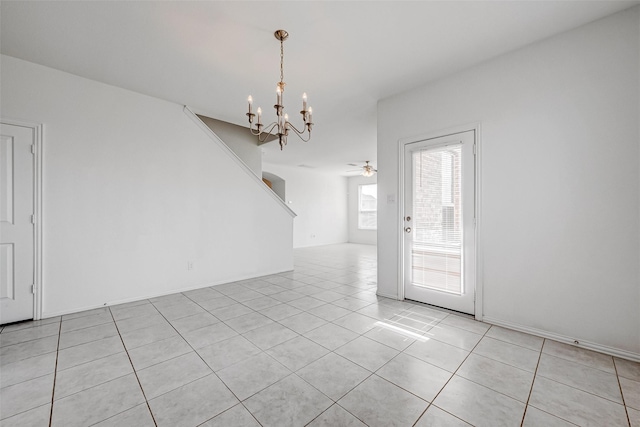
(407, 230)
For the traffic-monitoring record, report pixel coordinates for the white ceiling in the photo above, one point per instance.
(345, 55)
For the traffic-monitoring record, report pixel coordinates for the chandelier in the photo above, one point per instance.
(282, 125)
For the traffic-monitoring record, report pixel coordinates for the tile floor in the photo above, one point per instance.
(311, 347)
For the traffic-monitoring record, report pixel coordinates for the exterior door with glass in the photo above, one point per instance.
(439, 221)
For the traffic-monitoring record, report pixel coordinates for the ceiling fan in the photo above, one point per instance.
(365, 170)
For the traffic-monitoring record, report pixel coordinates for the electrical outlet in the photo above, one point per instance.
(189, 265)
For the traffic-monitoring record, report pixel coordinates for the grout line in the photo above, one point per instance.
(55, 374)
(246, 409)
(294, 372)
(212, 371)
(535, 374)
(134, 370)
(335, 402)
(626, 411)
(581, 390)
(512, 343)
(575, 360)
(452, 375)
(227, 410)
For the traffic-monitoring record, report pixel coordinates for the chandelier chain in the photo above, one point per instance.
(282, 62)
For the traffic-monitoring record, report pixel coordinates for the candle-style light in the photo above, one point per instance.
(282, 124)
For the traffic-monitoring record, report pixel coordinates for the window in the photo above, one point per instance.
(368, 206)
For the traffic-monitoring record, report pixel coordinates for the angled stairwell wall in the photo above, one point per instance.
(135, 193)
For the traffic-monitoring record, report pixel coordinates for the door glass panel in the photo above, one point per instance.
(436, 249)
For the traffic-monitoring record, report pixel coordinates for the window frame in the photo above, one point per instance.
(361, 210)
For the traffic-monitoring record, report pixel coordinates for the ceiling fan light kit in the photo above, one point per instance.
(368, 170)
(282, 125)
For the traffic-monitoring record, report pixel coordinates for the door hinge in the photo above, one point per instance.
(33, 148)
(474, 149)
(33, 289)
(33, 219)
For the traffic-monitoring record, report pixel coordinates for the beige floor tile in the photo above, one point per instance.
(506, 379)
(437, 353)
(579, 355)
(631, 392)
(514, 337)
(479, 405)
(574, 405)
(418, 377)
(536, 418)
(238, 416)
(436, 417)
(628, 369)
(334, 375)
(336, 416)
(511, 354)
(367, 353)
(580, 376)
(379, 403)
(193, 403)
(290, 401)
(310, 337)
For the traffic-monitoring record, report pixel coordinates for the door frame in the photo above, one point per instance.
(476, 128)
(37, 129)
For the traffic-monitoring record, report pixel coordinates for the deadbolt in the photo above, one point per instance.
(408, 219)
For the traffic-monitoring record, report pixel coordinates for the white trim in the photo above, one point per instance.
(37, 210)
(215, 138)
(479, 299)
(400, 223)
(479, 270)
(623, 354)
(360, 206)
(380, 294)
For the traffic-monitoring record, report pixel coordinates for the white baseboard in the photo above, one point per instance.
(623, 354)
(159, 294)
(380, 294)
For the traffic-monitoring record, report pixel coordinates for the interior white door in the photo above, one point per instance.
(16, 226)
(439, 221)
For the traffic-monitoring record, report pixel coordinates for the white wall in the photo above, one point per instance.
(356, 235)
(133, 190)
(319, 200)
(278, 185)
(239, 140)
(560, 180)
